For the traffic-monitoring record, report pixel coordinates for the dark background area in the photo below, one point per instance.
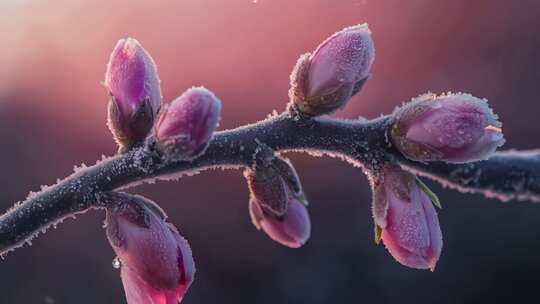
(52, 117)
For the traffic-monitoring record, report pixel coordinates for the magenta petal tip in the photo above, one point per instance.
(292, 229)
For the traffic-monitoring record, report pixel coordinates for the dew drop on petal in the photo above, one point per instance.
(116, 264)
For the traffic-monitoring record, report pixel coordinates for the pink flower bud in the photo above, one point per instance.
(185, 127)
(156, 262)
(325, 81)
(409, 223)
(132, 81)
(277, 203)
(456, 128)
(292, 229)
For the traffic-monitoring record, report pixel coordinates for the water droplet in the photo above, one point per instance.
(116, 264)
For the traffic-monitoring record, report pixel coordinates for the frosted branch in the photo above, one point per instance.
(505, 176)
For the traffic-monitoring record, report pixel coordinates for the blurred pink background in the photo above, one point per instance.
(53, 111)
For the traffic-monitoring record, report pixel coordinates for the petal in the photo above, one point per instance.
(131, 77)
(412, 234)
(345, 57)
(185, 127)
(407, 225)
(137, 291)
(156, 260)
(291, 230)
(435, 234)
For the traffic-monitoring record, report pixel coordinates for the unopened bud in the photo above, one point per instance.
(156, 261)
(455, 128)
(132, 81)
(185, 127)
(405, 219)
(277, 203)
(325, 81)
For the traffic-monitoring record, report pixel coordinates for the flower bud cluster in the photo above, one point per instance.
(182, 129)
(157, 264)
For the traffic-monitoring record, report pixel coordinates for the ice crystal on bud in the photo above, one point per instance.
(454, 128)
(405, 219)
(155, 260)
(324, 81)
(186, 125)
(132, 81)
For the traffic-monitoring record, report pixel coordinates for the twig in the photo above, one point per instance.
(363, 143)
